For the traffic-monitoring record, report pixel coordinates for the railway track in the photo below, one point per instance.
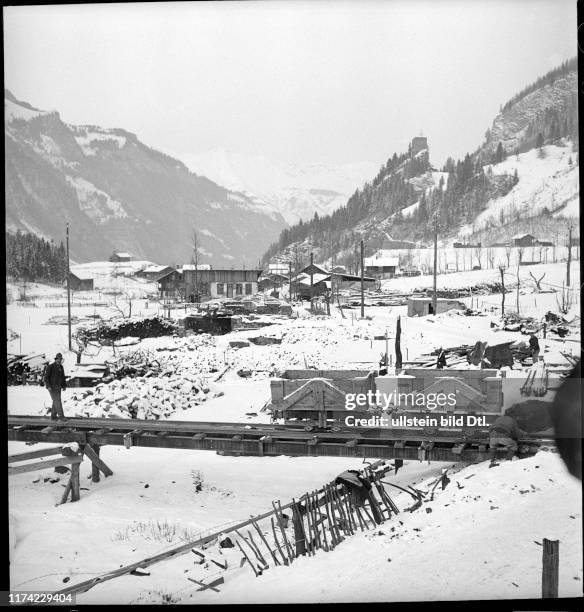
(258, 439)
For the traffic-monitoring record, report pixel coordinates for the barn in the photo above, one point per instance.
(120, 256)
(381, 265)
(422, 306)
(80, 281)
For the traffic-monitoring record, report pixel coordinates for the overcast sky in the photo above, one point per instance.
(318, 81)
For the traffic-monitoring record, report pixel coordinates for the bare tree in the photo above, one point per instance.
(502, 269)
(508, 256)
(195, 259)
(570, 227)
(537, 281)
(125, 308)
(491, 258)
(566, 299)
(518, 283)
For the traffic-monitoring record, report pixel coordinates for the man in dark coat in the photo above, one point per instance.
(504, 433)
(55, 383)
(534, 347)
(441, 361)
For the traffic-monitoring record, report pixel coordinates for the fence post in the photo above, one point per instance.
(550, 567)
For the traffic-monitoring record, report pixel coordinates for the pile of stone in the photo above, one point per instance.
(141, 397)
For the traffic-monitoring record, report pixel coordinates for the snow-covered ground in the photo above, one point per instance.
(472, 544)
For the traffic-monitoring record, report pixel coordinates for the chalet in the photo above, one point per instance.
(381, 265)
(422, 306)
(171, 285)
(543, 243)
(279, 267)
(120, 256)
(322, 282)
(80, 281)
(154, 272)
(219, 283)
(523, 240)
(270, 281)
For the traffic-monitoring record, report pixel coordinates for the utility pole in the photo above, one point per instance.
(362, 285)
(311, 281)
(434, 297)
(68, 289)
(569, 255)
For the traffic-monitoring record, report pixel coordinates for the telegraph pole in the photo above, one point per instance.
(434, 298)
(362, 285)
(311, 281)
(68, 289)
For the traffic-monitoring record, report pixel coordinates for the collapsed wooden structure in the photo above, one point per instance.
(320, 520)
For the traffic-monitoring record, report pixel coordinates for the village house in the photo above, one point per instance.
(269, 281)
(80, 281)
(304, 286)
(171, 285)
(120, 256)
(154, 272)
(523, 240)
(381, 265)
(212, 284)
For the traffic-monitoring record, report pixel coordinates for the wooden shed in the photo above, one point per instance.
(422, 306)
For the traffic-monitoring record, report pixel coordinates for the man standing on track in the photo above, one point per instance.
(55, 383)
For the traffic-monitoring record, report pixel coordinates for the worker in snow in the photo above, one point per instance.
(504, 433)
(55, 383)
(534, 347)
(441, 361)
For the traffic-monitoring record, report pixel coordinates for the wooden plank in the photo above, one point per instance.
(550, 568)
(211, 585)
(66, 491)
(45, 452)
(75, 481)
(96, 461)
(44, 465)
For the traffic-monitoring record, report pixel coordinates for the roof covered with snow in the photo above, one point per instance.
(382, 258)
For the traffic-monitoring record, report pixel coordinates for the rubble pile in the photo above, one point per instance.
(25, 369)
(139, 328)
(141, 397)
(257, 362)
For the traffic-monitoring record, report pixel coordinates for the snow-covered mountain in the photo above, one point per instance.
(524, 177)
(118, 193)
(296, 191)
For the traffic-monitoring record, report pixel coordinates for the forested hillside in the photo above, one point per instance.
(409, 198)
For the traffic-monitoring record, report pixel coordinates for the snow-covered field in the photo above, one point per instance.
(477, 541)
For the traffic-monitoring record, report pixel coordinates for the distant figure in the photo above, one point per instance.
(441, 361)
(55, 383)
(534, 347)
(504, 433)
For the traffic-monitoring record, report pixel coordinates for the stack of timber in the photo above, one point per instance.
(139, 328)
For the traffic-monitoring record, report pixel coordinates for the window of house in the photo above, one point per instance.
(248, 288)
(220, 288)
(238, 289)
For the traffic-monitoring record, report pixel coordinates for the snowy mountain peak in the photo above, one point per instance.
(296, 191)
